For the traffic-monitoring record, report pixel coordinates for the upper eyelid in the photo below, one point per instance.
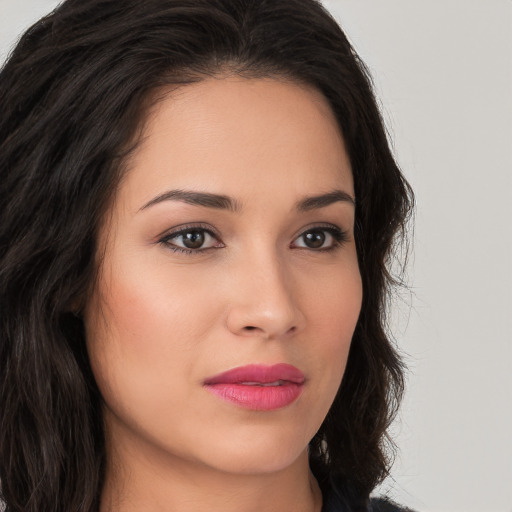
(325, 225)
(332, 230)
(183, 228)
(168, 236)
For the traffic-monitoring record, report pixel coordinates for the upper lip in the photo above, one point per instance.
(257, 373)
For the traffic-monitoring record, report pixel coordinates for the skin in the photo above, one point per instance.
(160, 321)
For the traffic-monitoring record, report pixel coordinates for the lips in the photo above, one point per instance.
(259, 374)
(258, 387)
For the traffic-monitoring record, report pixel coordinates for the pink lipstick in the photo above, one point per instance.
(258, 387)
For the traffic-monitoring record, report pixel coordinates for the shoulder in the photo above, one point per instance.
(385, 505)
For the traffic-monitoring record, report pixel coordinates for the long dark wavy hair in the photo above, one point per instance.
(73, 94)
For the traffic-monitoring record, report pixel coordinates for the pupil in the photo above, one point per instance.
(314, 239)
(193, 239)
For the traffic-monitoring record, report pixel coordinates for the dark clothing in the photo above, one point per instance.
(383, 505)
(332, 503)
(339, 495)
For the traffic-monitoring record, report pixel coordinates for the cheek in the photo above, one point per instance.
(334, 303)
(333, 311)
(143, 332)
(148, 307)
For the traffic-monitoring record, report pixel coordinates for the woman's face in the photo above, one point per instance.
(229, 244)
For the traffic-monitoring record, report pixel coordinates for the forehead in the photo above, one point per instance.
(239, 137)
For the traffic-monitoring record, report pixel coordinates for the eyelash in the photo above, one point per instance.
(339, 238)
(187, 229)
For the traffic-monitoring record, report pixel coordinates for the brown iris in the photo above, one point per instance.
(314, 239)
(193, 239)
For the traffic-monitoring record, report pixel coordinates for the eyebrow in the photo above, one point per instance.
(205, 199)
(323, 200)
(221, 202)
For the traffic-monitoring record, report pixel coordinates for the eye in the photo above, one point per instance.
(191, 239)
(321, 238)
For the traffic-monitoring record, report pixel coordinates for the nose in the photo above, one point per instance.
(264, 301)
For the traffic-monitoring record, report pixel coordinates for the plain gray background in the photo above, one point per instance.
(443, 72)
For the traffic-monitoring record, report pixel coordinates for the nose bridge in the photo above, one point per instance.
(264, 300)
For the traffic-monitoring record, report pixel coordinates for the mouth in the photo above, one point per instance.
(258, 387)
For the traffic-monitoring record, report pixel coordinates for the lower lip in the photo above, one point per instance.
(257, 398)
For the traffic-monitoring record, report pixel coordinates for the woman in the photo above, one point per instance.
(199, 208)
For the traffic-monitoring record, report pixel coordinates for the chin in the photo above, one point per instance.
(256, 451)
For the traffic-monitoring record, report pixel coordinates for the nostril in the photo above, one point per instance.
(250, 328)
